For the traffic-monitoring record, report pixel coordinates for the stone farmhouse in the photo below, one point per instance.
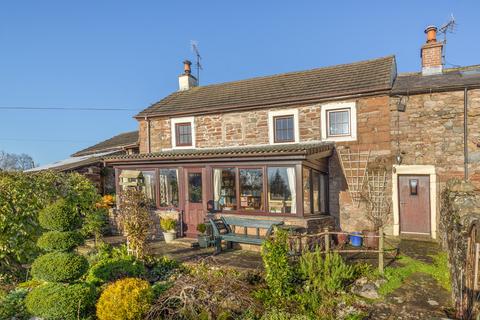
(306, 147)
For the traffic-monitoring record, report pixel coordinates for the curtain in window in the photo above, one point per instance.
(217, 187)
(164, 190)
(291, 186)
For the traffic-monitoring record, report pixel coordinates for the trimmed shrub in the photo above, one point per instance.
(59, 240)
(12, 306)
(57, 301)
(59, 216)
(113, 269)
(126, 299)
(59, 267)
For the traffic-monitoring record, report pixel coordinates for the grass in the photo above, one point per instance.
(396, 276)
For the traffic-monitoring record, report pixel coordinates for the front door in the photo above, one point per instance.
(414, 198)
(194, 200)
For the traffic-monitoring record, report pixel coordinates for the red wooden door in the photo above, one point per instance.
(194, 200)
(414, 198)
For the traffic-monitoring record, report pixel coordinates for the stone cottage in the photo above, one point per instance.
(299, 147)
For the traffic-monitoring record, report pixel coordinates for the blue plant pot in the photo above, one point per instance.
(355, 240)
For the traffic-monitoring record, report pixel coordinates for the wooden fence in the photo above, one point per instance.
(324, 242)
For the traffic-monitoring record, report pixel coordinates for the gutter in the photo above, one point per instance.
(148, 134)
(465, 132)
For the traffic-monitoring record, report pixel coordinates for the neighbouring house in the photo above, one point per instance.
(89, 161)
(300, 147)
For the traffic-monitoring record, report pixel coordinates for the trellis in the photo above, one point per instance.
(377, 197)
(354, 165)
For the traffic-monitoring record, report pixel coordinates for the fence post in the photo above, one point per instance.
(380, 250)
(327, 240)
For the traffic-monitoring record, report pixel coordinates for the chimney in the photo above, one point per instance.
(186, 80)
(431, 53)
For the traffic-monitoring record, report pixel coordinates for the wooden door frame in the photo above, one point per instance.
(205, 185)
(425, 170)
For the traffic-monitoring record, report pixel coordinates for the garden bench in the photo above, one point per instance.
(225, 228)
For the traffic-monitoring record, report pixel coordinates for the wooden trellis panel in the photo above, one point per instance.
(354, 165)
(377, 191)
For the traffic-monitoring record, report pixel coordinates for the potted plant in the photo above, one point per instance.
(168, 226)
(203, 238)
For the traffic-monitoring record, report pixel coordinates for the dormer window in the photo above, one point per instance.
(283, 126)
(183, 132)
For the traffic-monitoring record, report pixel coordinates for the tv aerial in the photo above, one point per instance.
(449, 27)
(194, 46)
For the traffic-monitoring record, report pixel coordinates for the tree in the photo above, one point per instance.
(15, 162)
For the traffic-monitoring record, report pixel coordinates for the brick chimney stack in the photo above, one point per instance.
(186, 80)
(431, 53)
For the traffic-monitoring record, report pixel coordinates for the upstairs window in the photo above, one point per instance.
(338, 123)
(183, 134)
(283, 126)
(284, 129)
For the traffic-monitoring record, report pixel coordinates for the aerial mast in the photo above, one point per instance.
(194, 45)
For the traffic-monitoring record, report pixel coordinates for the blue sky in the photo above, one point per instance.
(128, 54)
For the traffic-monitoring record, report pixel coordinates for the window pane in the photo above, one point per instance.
(195, 187)
(224, 189)
(184, 134)
(148, 186)
(251, 189)
(339, 122)
(316, 191)
(281, 190)
(284, 129)
(168, 187)
(306, 191)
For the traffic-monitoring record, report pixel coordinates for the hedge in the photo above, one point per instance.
(126, 299)
(113, 269)
(57, 301)
(59, 267)
(59, 240)
(59, 216)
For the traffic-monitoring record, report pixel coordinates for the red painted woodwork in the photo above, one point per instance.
(195, 203)
(414, 198)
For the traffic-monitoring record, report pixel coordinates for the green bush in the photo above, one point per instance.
(126, 299)
(60, 216)
(168, 224)
(279, 273)
(59, 240)
(59, 267)
(160, 269)
(57, 301)
(113, 269)
(12, 306)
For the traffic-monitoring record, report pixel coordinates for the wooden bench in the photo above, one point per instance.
(225, 228)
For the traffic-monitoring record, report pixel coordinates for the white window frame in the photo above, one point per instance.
(173, 123)
(282, 113)
(326, 108)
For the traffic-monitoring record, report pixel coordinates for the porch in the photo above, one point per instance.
(287, 183)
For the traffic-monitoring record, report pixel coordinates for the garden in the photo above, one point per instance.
(45, 218)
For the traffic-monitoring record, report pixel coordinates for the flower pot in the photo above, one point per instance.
(169, 236)
(370, 240)
(356, 241)
(203, 240)
(342, 239)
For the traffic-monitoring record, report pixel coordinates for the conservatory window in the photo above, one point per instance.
(281, 190)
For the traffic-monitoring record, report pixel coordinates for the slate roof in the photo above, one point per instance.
(304, 149)
(115, 143)
(340, 80)
(451, 79)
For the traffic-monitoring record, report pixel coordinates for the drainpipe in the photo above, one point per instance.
(148, 135)
(465, 132)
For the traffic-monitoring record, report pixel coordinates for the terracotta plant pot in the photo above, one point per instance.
(342, 239)
(169, 236)
(371, 239)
